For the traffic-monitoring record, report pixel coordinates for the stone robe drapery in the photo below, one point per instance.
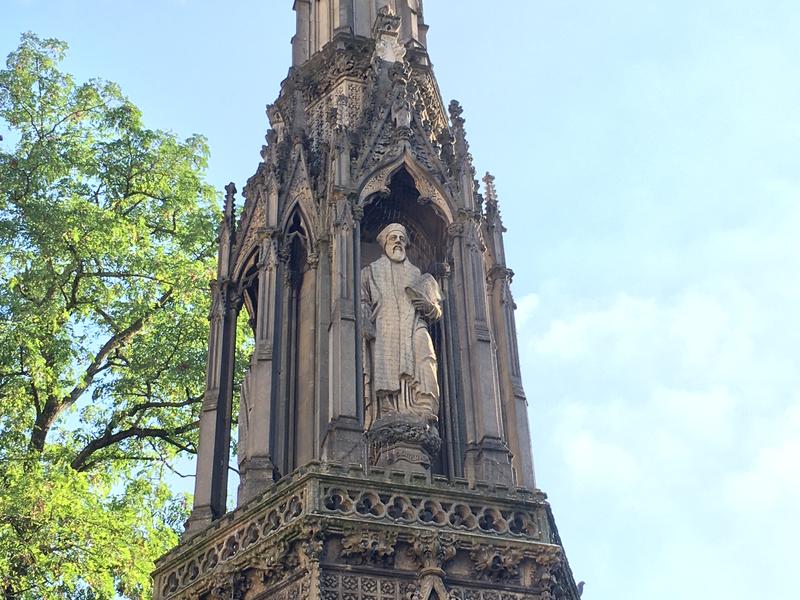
(402, 349)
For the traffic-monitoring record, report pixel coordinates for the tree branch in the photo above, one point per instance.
(115, 341)
(148, 405)
(124, 274)
(54, 406)
(81, 461)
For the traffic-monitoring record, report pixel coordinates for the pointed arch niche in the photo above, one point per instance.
(394, 196)
(293, 403)
(243, 394)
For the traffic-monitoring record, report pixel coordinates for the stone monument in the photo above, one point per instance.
(383, 442)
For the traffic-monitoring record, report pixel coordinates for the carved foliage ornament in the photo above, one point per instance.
(400, 430)
(370, 547)
(230, 586)
(432, 550)
(496, 564)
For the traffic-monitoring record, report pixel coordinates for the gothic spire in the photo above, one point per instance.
(318, 22)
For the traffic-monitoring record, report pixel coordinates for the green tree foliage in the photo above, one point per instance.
(107, 236)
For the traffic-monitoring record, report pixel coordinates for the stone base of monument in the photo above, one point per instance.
(403, 442)
(336, 532)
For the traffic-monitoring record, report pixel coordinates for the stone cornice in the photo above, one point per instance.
(345, 499)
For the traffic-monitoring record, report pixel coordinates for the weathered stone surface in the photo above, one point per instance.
(384, 393)
(398, 303)
(403, 442)
(329, 531)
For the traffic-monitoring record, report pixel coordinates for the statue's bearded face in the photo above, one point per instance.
(395, 246)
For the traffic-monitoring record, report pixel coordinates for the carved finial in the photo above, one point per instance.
(460, 145)
(401, 107)
(456, 111)
(230, 202)
(457, 122)
(491, 208)
(490, 193)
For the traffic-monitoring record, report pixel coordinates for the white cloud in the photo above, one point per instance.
(772, 481)
(671, 418)
(597, 463)
(526, 309)
(701, 417)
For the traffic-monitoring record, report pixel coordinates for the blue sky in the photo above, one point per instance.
(647, 157)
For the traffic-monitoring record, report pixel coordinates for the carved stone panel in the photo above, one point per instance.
(336, 585)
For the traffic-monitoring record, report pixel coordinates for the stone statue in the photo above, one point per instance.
(397, 301)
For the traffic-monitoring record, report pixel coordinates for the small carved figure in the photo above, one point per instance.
(397, 302)
(401, 111)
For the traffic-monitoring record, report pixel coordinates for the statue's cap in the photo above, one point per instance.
(389, 229)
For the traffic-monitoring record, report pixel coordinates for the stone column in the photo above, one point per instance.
(344, 16)
(301, 42)
(322, 364)
(515, 405)
(344, 439)
(452, 407)
(487, 456)
(282, 395)
(321, 24)
(364, 16)
(210, 492)
(215, 416)
(306, 440)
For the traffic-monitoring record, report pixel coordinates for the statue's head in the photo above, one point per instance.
(394, 240)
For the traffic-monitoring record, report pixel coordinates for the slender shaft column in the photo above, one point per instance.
(323, 375)
(321, 14)
(358, 213)
(283, 397)
(452, 407)
(202, 514)
(222, 446)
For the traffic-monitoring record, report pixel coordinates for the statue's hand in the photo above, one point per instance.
(368, 330)
(429, 311)
(421, 305)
